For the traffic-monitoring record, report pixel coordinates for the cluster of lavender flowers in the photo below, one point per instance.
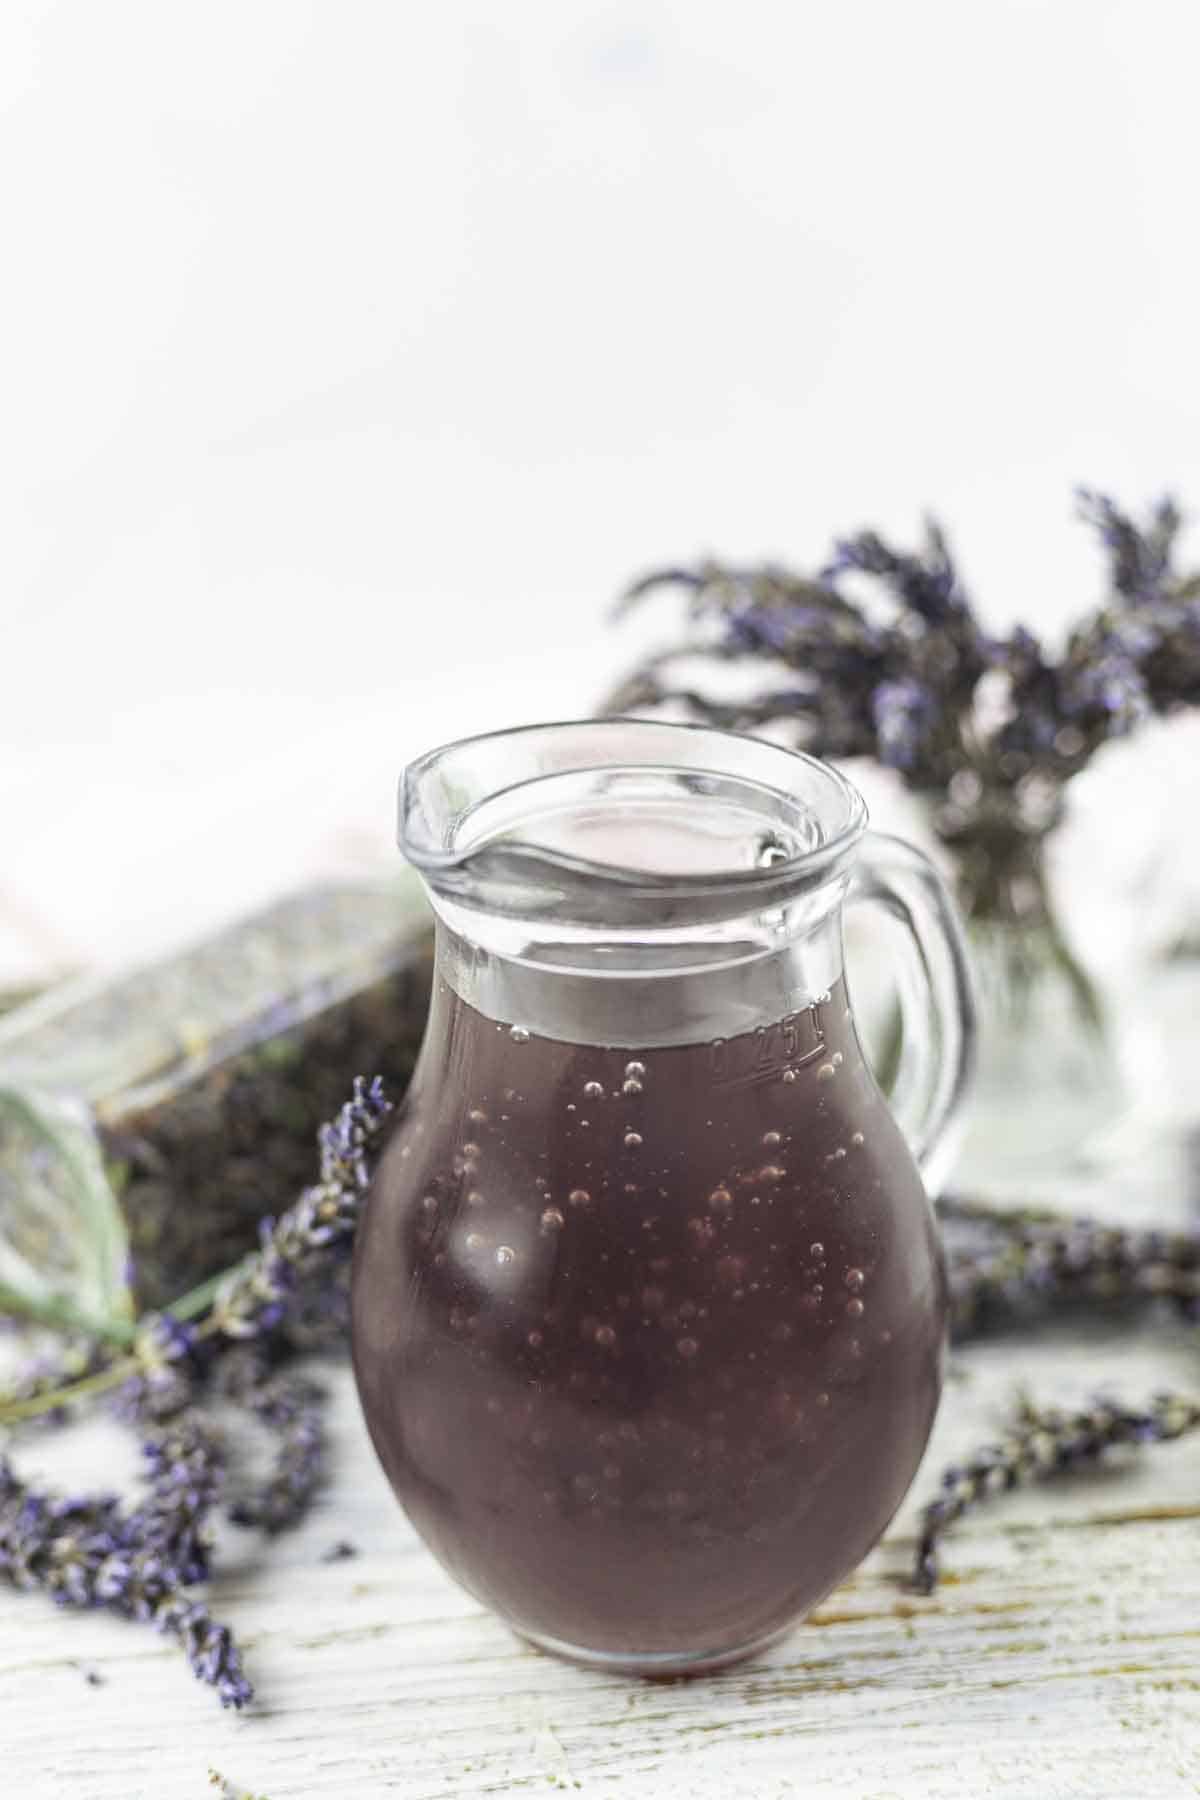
(145, 1563)
(987, 728)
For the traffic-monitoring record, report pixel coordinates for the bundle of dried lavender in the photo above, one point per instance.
(989, 729)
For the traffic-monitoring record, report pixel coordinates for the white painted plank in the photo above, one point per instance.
(1061, 1659)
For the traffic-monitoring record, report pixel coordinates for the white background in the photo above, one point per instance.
(353, 355)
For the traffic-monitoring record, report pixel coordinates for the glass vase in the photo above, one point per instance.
(1049, 1084)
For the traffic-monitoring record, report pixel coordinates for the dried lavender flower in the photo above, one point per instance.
(171, 1364)
(293, 1409)
(1041, 1443)
(87, 1552)
(256, 1295)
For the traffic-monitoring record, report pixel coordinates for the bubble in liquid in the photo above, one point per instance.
(605, 1336)
(630, 1086)
(790, 1075)
(826, 1072)
(836, 1155)
(579, 1197)
(772, 1140)
(688, 1347)
(632, 1140)
(552, 1219)
(475, 1198)
(857, 1139)
(635, 1071)
(822, 1399)
(720, 1199)
(855, 1280)
(430, 1203)
(837, 1059)
(534, 1340)
(770, 1173)
(477, 1116)
(855, 1308)
(518, 1034)
(816, 1250)
(593, 1090)
(473, 1240)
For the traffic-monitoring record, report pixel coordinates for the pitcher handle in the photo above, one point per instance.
(937, 1006)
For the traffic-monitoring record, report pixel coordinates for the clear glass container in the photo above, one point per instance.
(148, 1119)
(648, 1304)
(1050, 1087)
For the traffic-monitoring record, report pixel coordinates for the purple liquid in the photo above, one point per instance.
(648, 1341)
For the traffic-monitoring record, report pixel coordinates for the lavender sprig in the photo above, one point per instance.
(141, 1565)
(255, 1296)
(1039, 1444)
(1001, 1268)
(293, 1409)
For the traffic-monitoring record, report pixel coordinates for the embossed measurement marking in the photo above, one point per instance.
(765, 1054)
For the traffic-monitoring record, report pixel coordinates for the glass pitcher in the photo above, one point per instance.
(648, 1301)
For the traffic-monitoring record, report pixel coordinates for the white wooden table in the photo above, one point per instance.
(1060, 1658)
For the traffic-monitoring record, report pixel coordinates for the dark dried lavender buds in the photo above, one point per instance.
(1041, 1443)
(293, 1409)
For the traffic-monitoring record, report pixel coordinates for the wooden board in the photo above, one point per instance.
(1061, 1658)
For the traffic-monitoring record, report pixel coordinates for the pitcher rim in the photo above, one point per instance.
(433, 860)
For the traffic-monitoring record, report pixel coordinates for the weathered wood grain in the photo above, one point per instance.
(1060, 1659)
